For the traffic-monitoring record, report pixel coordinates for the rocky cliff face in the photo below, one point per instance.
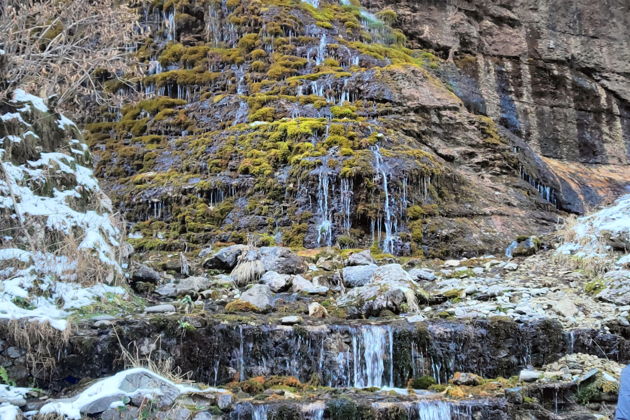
(311, 124)
(555, 73)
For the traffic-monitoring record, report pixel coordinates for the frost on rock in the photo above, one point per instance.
(601, 233)
(58, 233)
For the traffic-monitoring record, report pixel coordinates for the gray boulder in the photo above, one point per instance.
(361, 258)
(302, 285)
(529, 375)
(281, 260)
(145, 274)
(617, 287)
(189, 285)
(422, 274)
(276, 282)
(358, 275)
(317, 311)
(136, 383)
(160, 309)
(391, 273)
(226, 258)
(260, 296)
(391, 288)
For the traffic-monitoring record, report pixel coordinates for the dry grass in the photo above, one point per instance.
(247, 270)
(152, 360)
(601, 260)
(41, 342)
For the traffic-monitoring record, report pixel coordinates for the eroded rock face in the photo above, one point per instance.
(555, 73)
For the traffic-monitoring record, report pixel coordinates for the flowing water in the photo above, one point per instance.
(388, 241)
(325, 226)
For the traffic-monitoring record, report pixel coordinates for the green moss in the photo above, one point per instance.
(151, 106)
(423, 382)
(417, 212)
(263, 114)
(343, 111)
(595, 286)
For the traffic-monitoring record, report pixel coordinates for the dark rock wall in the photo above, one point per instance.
(218, 353)
(555, 72)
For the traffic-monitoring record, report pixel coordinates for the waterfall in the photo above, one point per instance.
(345, 95)
(314, 411)
(510, 249)
(372, 346)
(259, 412)
(154, 67)
(169, 23)
(241, 89)
(388, 242)
(241, 354)
(314, 3)
(321, 50)
(325, 227)
(346, 203)
(430, 410)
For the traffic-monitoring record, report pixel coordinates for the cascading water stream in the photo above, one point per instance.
(430, 410)
(346, 203)
(372, 348)
(241, 89)
(325, 227)
(321, 50)
(169, 23)
(388, 242)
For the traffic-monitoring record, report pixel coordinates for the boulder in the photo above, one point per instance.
(465, 378)
(145, 274)
(260, 296)
(137, 383)
(302, 285)
(358, 275)
(565, 307)
(360, 258)
(226, 258)
(391, 273)
(276, 282)
(617, 287)
(422, 274)
(189, 285)
(391, 289)
(281, 260)
(290, 320)
(160, 309)
(529, 375)
(317, 311)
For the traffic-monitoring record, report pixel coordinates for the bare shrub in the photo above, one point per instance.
(65, 47)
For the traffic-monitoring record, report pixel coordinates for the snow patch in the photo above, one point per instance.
(109, 388)
(593, 234)
(21, 96)
(9, 412)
